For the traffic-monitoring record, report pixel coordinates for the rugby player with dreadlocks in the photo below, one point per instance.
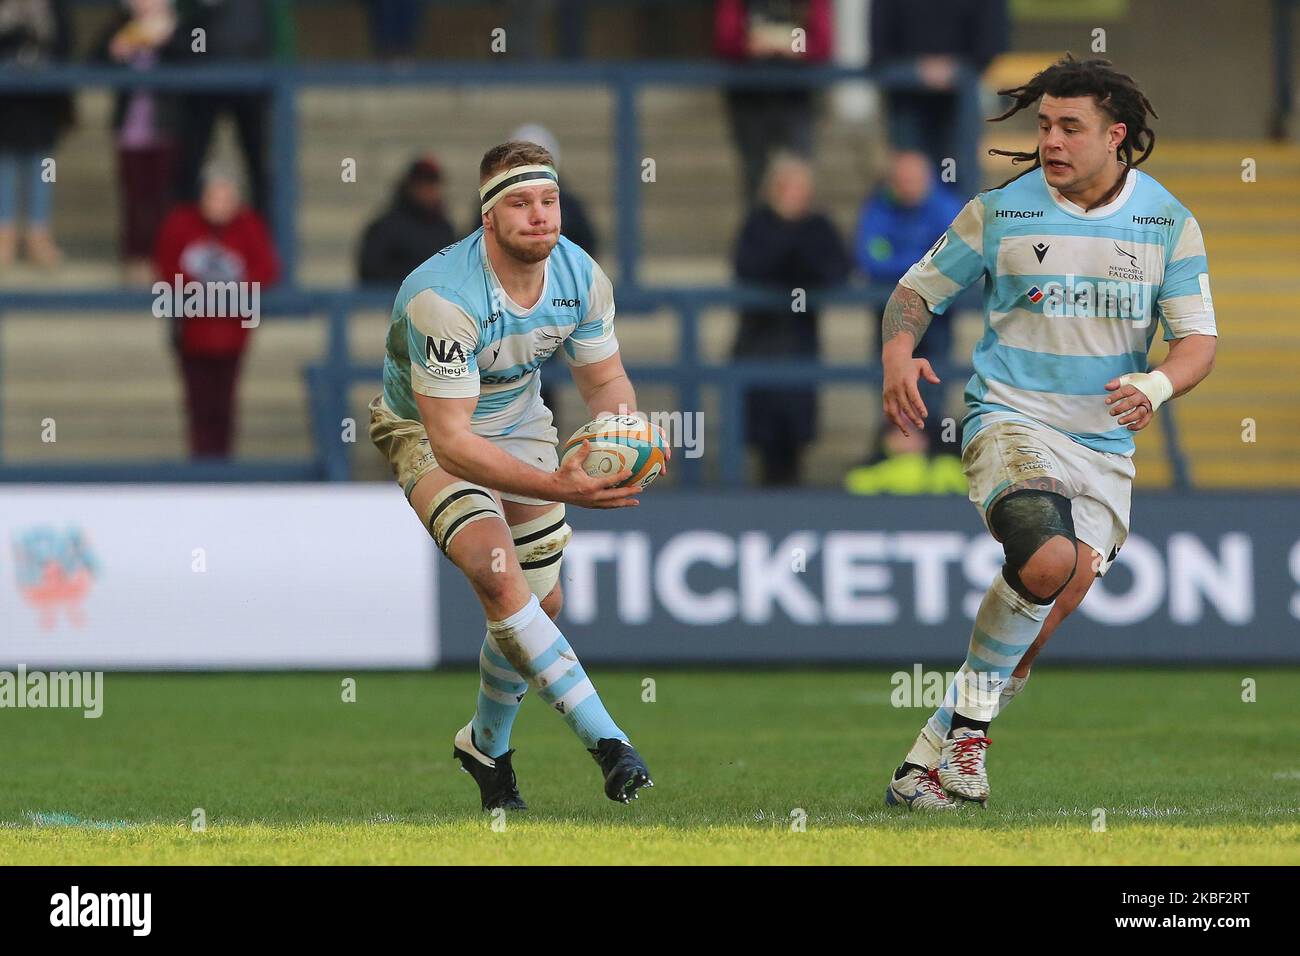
(1078, 255)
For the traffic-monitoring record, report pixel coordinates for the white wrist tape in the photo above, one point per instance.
(1155, 385)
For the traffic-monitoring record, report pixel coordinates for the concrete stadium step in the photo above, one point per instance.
(684, 130)
(1252, 240)
(127, 404)
(1261, 474)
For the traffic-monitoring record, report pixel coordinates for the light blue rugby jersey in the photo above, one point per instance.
(1069, 299)
(456, 334)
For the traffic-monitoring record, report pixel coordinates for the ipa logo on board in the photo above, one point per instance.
(54, 571)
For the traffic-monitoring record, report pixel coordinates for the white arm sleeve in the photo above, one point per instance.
(593, 339)
(441, 341)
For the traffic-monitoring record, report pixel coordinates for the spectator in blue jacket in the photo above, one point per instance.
(901, 220)
(897, 225)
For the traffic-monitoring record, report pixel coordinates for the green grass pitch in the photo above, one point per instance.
(286, 772)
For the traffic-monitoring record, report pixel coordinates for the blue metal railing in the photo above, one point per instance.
(328, 382)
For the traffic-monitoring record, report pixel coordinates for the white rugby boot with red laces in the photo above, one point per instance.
(961, 765)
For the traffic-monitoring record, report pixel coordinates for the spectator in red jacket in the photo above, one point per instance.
(784, 34)
(219, 239)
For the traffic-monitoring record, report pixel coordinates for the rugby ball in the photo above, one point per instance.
(619, 442)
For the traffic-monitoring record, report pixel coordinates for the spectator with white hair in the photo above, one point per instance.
(219, 239)
(784, 245)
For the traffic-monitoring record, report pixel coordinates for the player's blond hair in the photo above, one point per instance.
(516, 152)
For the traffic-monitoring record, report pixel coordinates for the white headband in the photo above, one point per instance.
(516, 177)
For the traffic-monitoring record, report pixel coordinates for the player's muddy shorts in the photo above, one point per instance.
(406, 445)
(1003, 455)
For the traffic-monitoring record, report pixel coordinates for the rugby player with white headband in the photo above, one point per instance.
(463, 425)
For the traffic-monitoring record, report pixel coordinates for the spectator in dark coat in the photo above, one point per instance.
(142, 36)
(935, 39)
(33, 33)
(217, 240)
(395, 27)
(412, 229)
(766, 120)
(784, 245)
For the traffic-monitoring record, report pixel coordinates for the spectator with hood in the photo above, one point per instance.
(414, 227)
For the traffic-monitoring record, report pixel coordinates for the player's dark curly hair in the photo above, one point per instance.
(1115, 93)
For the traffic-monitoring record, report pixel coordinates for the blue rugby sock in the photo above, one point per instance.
(500, 692)
(537, 651)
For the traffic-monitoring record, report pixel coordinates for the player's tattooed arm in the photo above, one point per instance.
(905, 320)
(905, 312)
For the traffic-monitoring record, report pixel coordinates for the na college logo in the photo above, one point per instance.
(55, 571)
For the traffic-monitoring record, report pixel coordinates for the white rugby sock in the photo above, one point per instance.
(1013, 686)
(1005, 627)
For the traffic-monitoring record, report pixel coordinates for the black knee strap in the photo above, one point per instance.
(1024, 521)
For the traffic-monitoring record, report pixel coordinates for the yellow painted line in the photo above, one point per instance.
(1204, 150)
(1254, 242)
(1192, 196)
(1255, 270)
(1233, 475)
(1283, 214)
(1280, 357)
(1252, 298)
